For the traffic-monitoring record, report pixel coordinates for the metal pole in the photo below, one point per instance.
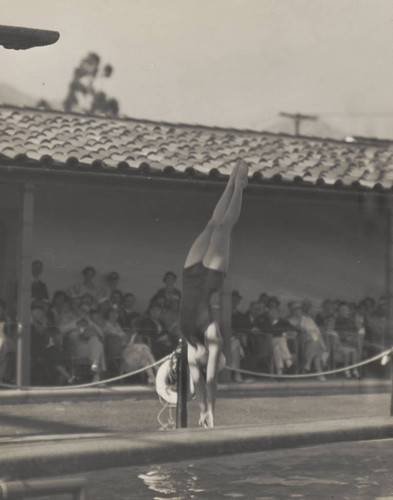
(388, 340)
(182, 386)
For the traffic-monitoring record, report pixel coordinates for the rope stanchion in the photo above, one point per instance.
(383, 355)
(89, 384)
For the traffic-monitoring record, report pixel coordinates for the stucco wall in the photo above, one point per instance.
(291, 249)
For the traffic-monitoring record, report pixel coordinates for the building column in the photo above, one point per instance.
(25, 234)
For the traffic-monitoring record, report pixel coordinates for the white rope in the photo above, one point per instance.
(387, 352)
(170, 423)
(90, 384)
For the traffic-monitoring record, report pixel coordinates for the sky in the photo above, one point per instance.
(230, 63)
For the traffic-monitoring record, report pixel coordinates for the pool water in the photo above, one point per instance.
(345, 471)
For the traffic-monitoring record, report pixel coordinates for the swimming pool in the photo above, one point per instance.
(344, 471)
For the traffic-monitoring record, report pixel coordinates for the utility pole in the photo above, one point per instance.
(298, 118)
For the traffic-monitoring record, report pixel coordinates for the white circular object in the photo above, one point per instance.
(163, 384)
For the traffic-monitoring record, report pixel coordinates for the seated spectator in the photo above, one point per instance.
(115, 339)
(85, 338)
(375, 336)
(264, 299)
(151, 326)
(59, 303)
(279, 328)
(86, 286)
(237, 351)
(335, 347)
(137, 355)
(171, 316)
(348, 333)
(360, 322)
(88, 300)
(247, 326)
(314, 349)
(111, 284)
(111, 325)
(336, 306)
(164, 295)
(327, 310)
(369, 305)
(237, 317)
(116, 299)
(45, 355)
(39, 290)
(127, 312)
(4, 325)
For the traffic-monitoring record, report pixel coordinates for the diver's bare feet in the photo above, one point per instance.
(202, 419)
(209, 419)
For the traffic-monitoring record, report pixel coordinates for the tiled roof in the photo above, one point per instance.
(53, 138)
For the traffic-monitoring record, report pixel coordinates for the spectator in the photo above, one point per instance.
(327, 311)
(111, 285)
(128, 314)
(111, 325)
(336, 306)
(237, 350)
(369, 306)
(171, 316)
(138, 355)
(165, 294)
(60, 302)
(279, 328)
(39, 290)
(348, 333)
(264, 299)
(237, 316)
(151, 326)
(45, 355)
(4, 324)
(248, 326)
(87, 286)
(116, 299)
(375, 335)
(85, 339)
(115, 339)
(336, 349)
(314, 350)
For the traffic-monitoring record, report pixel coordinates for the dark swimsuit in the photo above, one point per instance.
(199, 284)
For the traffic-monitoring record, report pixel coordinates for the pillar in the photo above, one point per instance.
(25, 234)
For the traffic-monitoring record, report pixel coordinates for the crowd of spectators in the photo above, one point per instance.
(291, 339)
(88, 332)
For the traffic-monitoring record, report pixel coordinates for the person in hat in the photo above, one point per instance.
(204, 272)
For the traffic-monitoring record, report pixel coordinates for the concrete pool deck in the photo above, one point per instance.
(269, 388)
(52, 456)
